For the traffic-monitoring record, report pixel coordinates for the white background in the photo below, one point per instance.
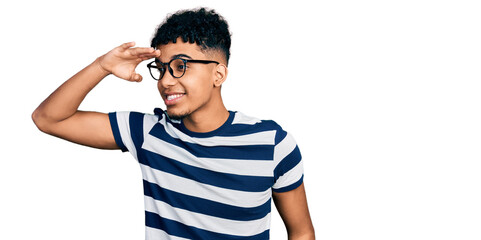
(383, 98)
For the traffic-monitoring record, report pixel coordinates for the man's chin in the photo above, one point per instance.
(176, 116)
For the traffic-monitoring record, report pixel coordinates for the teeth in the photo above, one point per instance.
(170, 97)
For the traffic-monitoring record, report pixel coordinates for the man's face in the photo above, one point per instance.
(193, 91)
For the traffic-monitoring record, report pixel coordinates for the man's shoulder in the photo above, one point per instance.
(253, 124)
(243, 119)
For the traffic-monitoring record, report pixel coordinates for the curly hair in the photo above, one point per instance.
(204, 27)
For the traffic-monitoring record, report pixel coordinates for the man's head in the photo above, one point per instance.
(203, 27)
(192, 86)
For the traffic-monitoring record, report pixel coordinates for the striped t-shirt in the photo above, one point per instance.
(215, 185)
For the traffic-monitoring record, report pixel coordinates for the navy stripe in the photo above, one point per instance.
(248, 152)
(204, 206)
(280, 135)
(136, 122)
(235, 129)
(115, 130)
(178, 229)
(287, 163)
(290, 187)
(219, 179)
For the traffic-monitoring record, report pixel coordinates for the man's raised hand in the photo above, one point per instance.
(122, 60)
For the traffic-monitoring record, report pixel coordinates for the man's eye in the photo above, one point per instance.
(181, 67)
(178, 65)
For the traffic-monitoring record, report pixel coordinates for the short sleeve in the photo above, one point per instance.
(288, 171)
(127, 128)
(114, 118)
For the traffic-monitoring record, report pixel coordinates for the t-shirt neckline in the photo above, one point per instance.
(215, 132)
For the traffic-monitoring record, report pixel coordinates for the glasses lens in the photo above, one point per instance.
(178, 68)
(156, 72)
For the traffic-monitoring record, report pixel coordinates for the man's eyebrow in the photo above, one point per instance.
(181, 56)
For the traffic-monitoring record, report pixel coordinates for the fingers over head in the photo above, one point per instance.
(128, 45)
(149, 54)
(145, 53)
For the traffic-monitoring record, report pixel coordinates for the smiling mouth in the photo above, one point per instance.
(172, 98)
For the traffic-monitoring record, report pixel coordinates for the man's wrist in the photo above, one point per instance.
(98, 63)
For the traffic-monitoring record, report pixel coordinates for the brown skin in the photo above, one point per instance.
(58, 115)
(292, 207)
(201, 105)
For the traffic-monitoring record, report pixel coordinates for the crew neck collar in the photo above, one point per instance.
(211, 133)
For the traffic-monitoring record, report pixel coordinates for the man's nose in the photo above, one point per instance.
(168, 80)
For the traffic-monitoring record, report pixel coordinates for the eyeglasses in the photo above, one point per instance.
(176, 66)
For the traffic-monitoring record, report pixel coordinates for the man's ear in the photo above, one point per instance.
(220, 74)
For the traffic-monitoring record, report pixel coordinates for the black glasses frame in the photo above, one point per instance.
(171, 71)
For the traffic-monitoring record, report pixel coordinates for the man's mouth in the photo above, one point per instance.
(171, 99)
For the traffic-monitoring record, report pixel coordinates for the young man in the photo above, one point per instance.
(208, 173)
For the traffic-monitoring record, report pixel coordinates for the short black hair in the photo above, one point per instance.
(204, 27)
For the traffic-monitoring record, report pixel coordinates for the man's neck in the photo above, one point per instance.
(207, 120)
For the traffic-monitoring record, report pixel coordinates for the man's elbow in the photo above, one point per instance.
(40, 120)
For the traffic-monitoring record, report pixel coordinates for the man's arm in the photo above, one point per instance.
(58, 115)
(292, 207)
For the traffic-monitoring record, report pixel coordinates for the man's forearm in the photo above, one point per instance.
(306, 236)
(64, 102)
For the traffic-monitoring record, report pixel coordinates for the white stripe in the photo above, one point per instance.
(206, 222)
(240, 167)
(256, 168)
(205, 191)
(284, 148)
(290, 176)
(240, 118)
(124, 128)
(260, 138)
(149, 122)
(158, 234)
